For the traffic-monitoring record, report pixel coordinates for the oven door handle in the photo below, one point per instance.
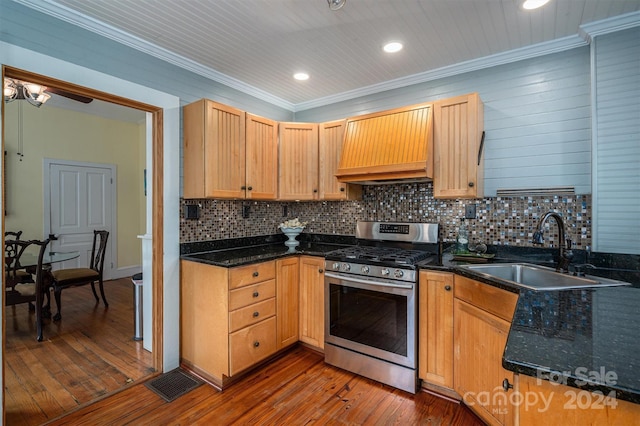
(373, 283)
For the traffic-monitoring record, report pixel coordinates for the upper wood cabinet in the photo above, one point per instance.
(214, 150)
(228, 153)
(458, 161)
(261, 158)
(298, 169)
(330, 146)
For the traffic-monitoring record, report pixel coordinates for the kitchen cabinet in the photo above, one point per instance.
(458, 160)
(570, 406)
(312, 301)
(214, 150)
(228, 318)
(261, 182)
(287, 283)
(298, 161)
(228, 153)
(482, 317)
(331, 138)
(435, 330)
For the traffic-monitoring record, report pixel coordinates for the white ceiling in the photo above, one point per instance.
(257, 45)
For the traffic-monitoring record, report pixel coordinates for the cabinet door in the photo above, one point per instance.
(458, 126)
(298, 168)
(287, 279)
(261, 158)
(480, 338)
(312, 301)
(330, 148)
(436, 328)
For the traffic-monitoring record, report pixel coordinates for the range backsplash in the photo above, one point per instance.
(499, 220)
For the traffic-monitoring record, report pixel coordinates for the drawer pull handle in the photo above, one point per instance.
(256, 344)
(447, 287)
(256, 294)
(256, 314)
(255, 274)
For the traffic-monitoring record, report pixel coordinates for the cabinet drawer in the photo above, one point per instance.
(245, 296)
(251, 274)
(496, 301)
(251, 314)
(251, 344)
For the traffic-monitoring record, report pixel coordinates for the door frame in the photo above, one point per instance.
(46, 193)
(156, 118)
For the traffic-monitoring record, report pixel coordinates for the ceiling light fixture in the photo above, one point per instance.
(301, 76)
(533, 4)
(33, 93)
(392, 47)
(336, 4)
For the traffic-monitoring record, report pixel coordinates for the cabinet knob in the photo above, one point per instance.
(315, 190)
(255, 274)
(256, 314)
(256, 344)
(243, 187)
(256, 294)
(342, 189)
(447, 287)
(471, 184)
(250, 188)
(506, 385)
(321, 270)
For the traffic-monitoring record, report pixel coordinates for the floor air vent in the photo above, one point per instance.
(173, 384)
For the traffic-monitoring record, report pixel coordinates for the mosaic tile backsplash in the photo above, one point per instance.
(499, 220)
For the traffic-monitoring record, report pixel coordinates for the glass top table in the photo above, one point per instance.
(30, 259)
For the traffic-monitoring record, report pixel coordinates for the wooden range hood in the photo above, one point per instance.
(388, 146)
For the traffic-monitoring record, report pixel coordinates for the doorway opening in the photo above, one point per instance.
(155, 125)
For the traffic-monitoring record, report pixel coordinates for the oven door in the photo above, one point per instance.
(375, 317)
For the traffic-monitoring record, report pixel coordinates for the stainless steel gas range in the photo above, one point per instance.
(371, 301)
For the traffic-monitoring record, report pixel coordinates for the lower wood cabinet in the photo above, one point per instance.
(550, 403)
(482, 317)
(312, 301)
(287, 278)
(435, 330)
(228, 318)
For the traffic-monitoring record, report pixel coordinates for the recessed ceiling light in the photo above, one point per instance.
(533, 4)
(301, 76)
(392, 47)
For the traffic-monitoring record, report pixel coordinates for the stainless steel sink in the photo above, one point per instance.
(538, 277)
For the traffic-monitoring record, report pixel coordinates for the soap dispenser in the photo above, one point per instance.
(462, 241)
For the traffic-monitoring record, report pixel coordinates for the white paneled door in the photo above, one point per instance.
(80, 201)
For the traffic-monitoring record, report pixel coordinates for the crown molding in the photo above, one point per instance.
(610, 25)
(66, 14)
(585, 36)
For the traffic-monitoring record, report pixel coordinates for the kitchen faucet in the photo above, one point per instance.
(565, 254)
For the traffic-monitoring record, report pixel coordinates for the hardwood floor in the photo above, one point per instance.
(296, 389)
(88, 354)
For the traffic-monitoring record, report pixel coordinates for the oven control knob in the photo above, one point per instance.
(398, 273)
(346, 267)
(365, 269)
(336, 266)
(385, 272)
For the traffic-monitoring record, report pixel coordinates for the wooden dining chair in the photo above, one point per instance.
(21, 274)
(17, 291)
(73, 277)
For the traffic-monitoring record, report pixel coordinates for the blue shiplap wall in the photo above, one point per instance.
(537, 118)
(616, 196)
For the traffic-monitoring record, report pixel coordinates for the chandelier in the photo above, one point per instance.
(33, 93)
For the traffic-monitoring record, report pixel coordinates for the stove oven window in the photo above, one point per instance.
(371, 318)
